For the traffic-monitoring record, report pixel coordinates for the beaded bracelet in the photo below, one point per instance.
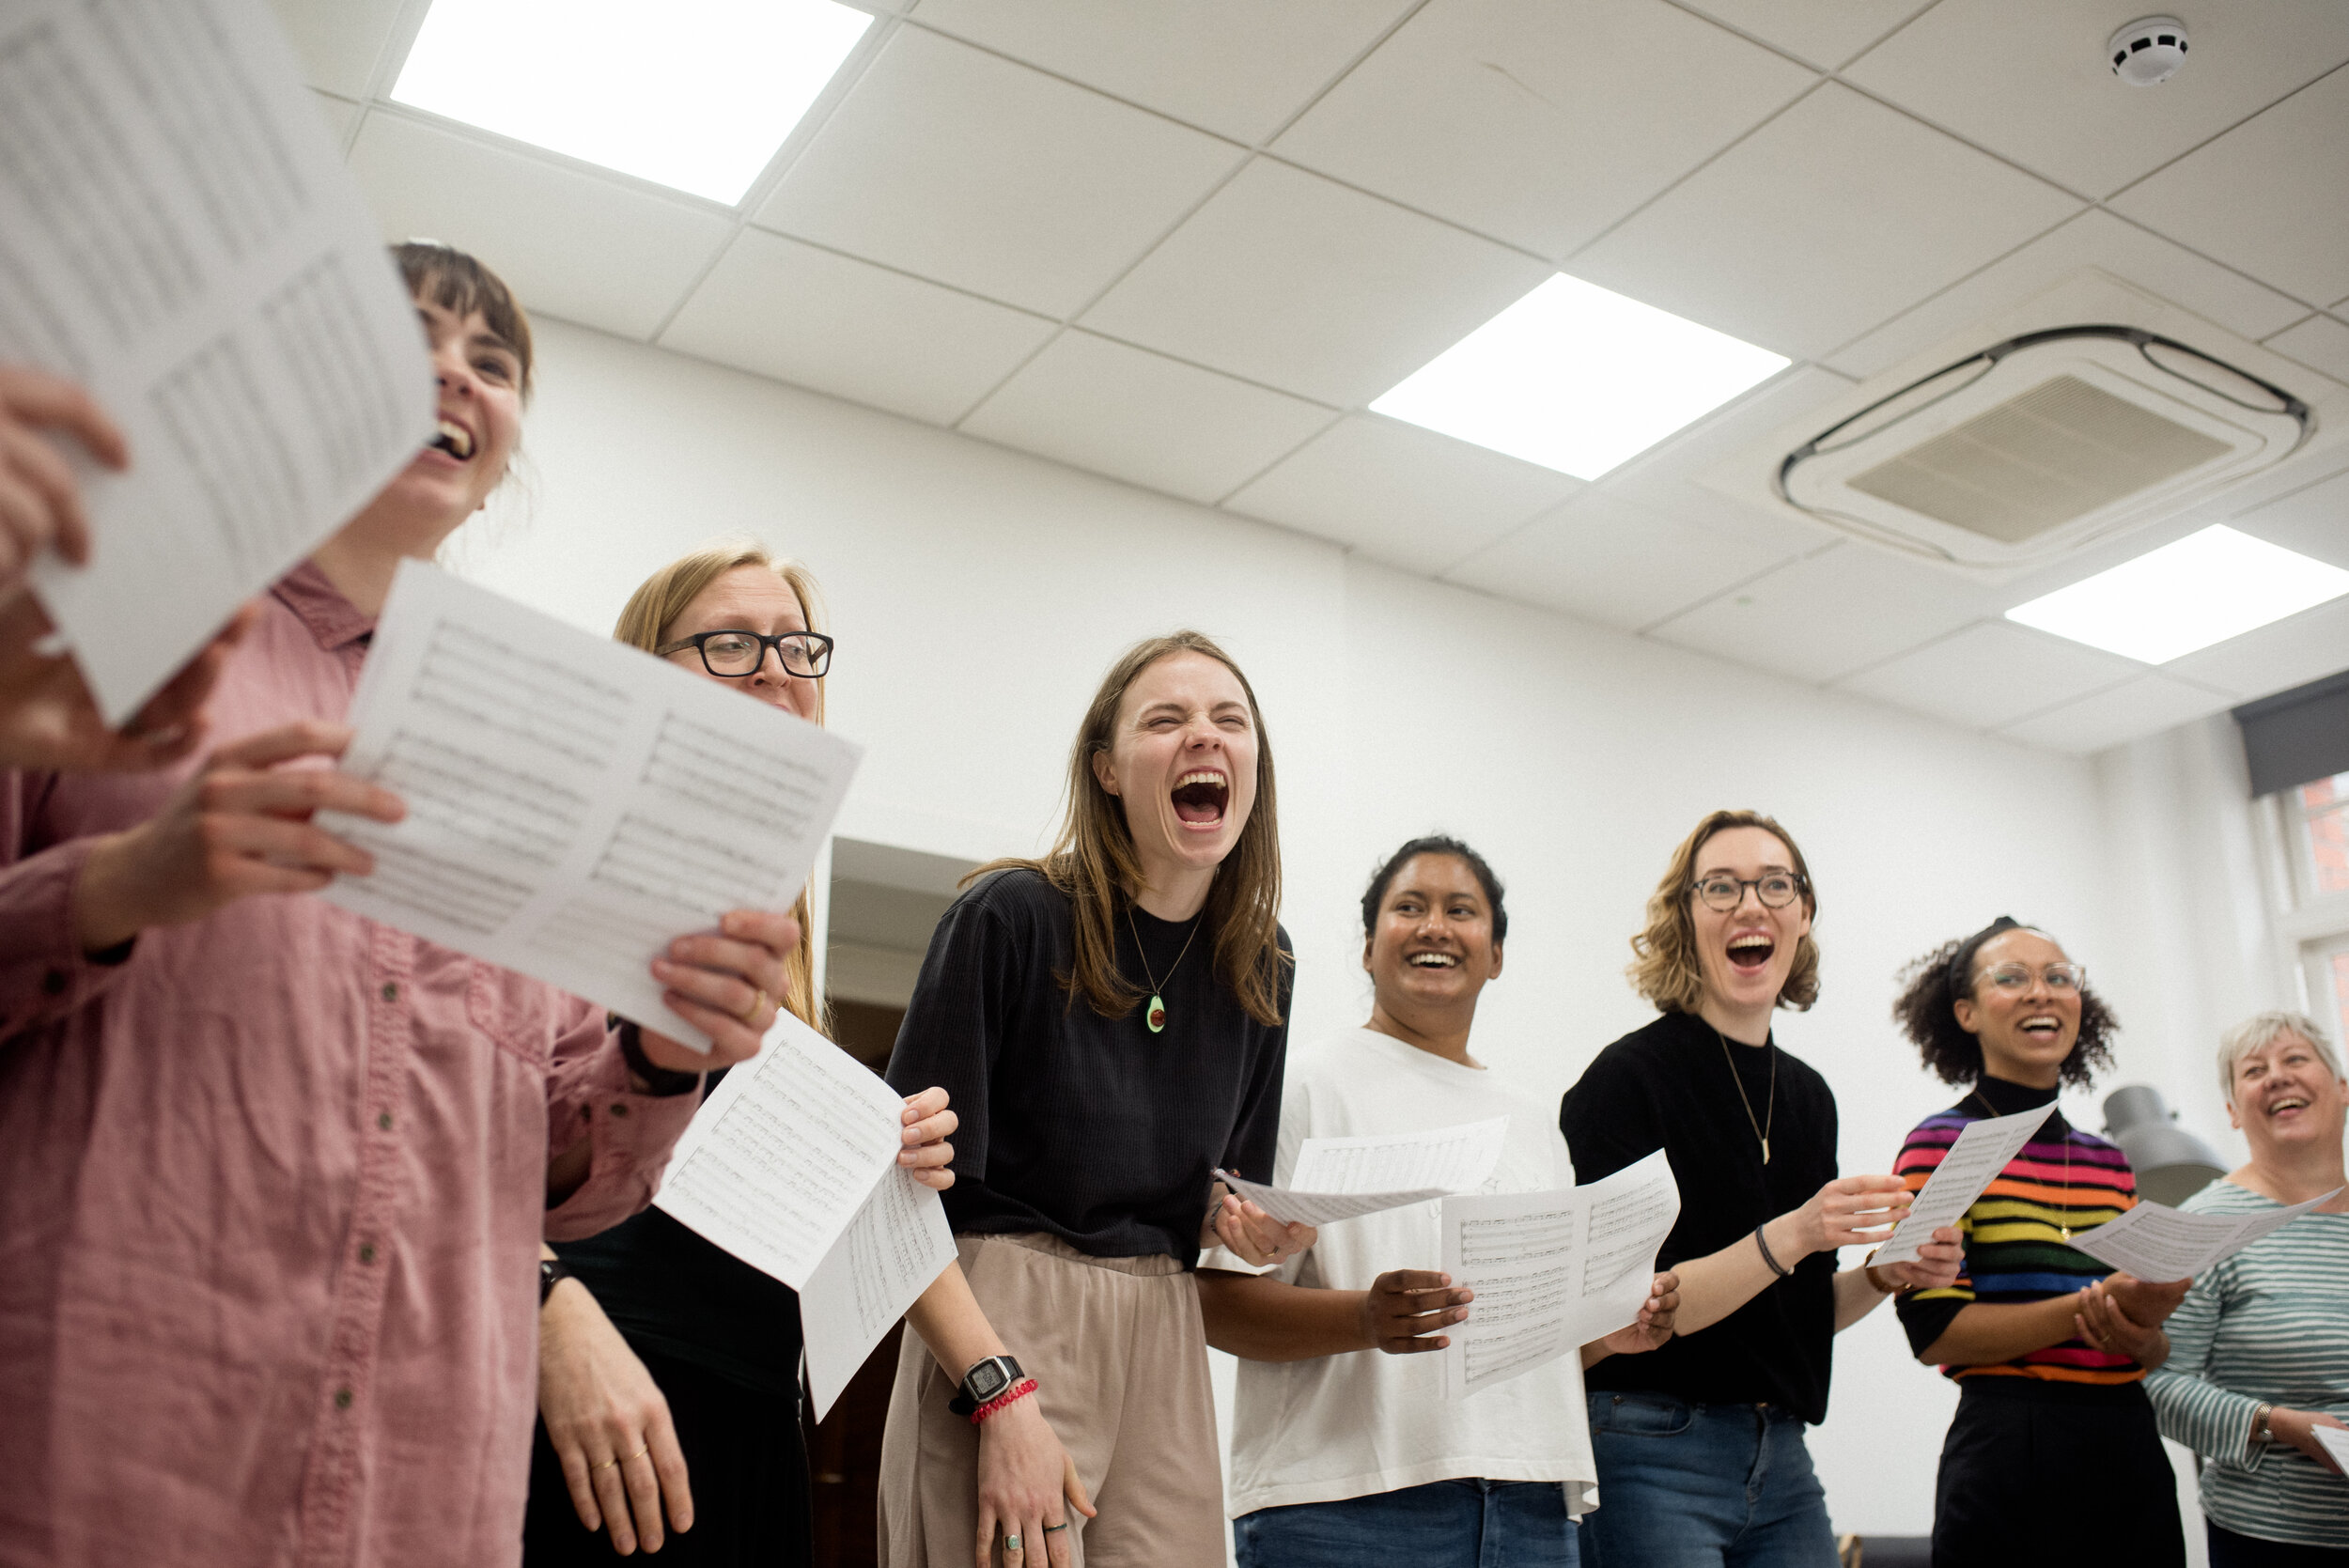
(1020, 1389)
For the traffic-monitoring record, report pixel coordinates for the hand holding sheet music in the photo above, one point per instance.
(1982, 1150)
(574, 804)
(179, 237)
(2159, 1244)
(1342, 1178)
(1551, 1271)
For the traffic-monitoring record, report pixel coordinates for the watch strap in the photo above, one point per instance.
(968, 1400)
(662, 1083)
(551, 1272)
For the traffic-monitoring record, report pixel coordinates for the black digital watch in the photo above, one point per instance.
(983, 1382)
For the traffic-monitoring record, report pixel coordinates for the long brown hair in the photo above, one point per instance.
(1664, 966)
(1093, 863)
(644, 623)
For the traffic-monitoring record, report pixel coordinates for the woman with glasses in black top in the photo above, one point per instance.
(1700, 1443)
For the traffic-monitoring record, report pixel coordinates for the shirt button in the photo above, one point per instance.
(342, 1399)
(619, 1111)
(391, 991)
(384, 1121)
(53, 983)
(367, 1253)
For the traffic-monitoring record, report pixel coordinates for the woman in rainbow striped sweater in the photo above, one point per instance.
(2054, 1451)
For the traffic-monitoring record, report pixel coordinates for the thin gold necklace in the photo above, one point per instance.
(1156, 1016)
(1769, 1114)
(1992, 1111)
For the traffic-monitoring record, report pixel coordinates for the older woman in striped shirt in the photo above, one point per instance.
(2259, 1355)
(2049, 1347)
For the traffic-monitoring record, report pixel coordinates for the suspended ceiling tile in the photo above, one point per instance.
(2028, 79)
(1992, 672)
(341, 118)
(2276, 657)
(784, 309)
(1826, 221)
(1237, 67)
(1144, 418)
(590, 250)
(1540, 121)
(1289, 279)
(2321, 343)
(2094, 239)
(339, 42)
(948, 161)
(1826, 32)
(2146, 706)
(2270, 196)
(1401, 494)
(2312, 520)
(1830, 613)
(1606, 560)
(1665, 478)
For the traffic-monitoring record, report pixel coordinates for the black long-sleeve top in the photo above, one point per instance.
(1089, 1128)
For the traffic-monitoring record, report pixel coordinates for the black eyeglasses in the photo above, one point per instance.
(733, 654)
(1776, 890)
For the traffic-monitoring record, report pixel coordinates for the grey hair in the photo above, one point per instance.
(2262, 1030)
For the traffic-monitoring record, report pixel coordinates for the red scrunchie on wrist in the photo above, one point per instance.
(1020, 1389)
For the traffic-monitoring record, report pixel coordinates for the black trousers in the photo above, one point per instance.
(742, 1457)
(2033, 1472)
(2229, 1550)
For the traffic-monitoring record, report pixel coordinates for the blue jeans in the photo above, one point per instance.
(1444, 1524)
(1685, 1486)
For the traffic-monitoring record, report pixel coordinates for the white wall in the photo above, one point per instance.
(978, 593)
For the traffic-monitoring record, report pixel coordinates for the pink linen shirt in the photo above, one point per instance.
(271, 1188)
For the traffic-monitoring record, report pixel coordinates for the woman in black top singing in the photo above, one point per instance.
(1109, 1022)
(1699, 1444)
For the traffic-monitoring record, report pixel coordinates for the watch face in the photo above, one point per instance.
(987, 1379)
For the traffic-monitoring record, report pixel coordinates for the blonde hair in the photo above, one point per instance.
(1664, 966)
(644, 623)
(1093, 863)
(2262, 1030)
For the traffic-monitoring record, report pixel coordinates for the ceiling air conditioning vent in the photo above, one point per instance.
(2039, 445)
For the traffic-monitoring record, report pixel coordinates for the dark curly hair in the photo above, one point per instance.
(1435, 844)
(1926, 1011)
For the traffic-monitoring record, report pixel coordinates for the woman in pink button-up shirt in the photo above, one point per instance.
(272, 1177)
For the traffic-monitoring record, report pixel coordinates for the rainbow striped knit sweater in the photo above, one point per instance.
(2014, 1233)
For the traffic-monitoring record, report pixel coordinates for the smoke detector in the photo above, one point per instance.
(2148, 52)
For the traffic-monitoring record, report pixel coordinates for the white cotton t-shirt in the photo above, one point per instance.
(1351, 1425)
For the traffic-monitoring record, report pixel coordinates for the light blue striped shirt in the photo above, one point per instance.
(2269, 1326)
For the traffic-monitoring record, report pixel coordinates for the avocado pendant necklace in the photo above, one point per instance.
(1156, 1016)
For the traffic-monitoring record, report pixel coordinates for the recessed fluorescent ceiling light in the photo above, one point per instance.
(1578, 378)
(2203, 589)
(694, 94)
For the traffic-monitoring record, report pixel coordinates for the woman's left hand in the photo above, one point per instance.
(1936, 1265)
(2103, 1324)
(1255, 1235)
(927, 1153)
(728, 984)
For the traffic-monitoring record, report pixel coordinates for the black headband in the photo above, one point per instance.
(1962, 961)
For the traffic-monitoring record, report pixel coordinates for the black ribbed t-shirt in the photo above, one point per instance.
(1666, 1087)
(1092, 1129)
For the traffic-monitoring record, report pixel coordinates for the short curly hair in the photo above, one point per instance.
(1926, 1010)
(1664, 966)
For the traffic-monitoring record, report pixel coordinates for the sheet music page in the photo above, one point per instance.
(896, 1245)
(2159, 1244)
(574, 804)
(1342, 1178)
(2335, 1441)
(778, 1161)
(1973, 1162)
(1551, 1271)
(179, 235)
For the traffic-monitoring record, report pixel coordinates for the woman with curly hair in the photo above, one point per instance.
(1700, 1455)
(2049, 1347)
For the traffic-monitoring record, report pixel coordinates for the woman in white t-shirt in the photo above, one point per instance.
(1339, 1458)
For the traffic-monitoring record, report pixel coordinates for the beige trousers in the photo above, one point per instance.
(1120, 1361)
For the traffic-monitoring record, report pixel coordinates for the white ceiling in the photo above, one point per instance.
(1184, 243)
